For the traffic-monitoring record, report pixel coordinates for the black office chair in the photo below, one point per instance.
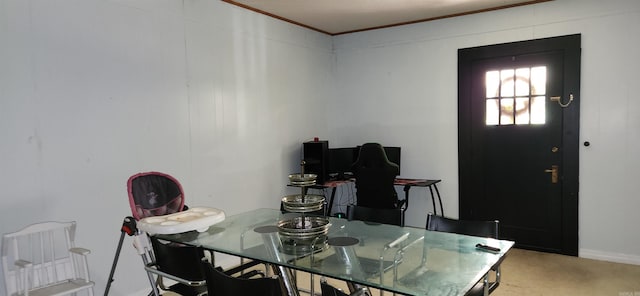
(474, 228)
(384, 216)
(220, 283)
(375, 176)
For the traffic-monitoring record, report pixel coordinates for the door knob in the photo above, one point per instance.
(554, 173)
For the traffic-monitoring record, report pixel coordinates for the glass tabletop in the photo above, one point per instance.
(405, 260)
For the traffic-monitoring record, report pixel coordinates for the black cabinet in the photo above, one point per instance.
(316, 158)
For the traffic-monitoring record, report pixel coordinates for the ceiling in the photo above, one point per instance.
(336, 17)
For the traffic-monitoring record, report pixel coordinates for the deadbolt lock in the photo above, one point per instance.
(554, 173)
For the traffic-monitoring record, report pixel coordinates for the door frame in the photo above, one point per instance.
(570, 47)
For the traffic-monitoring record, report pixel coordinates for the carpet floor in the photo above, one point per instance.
(536, 273)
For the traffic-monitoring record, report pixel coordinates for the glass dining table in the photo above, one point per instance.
(404, 260)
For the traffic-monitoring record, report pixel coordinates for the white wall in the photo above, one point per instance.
(92, 92)
(399, 86)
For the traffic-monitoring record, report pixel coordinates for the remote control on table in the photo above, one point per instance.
(488, 248)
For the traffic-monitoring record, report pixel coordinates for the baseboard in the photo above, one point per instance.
(611, 257)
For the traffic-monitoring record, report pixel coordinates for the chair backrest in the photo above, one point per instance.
(43, 257)
(221, 284)
(384, 216)
(466, 227)
(154, 194)
(375, 175)
(488, 229)
(178, 260)
(180, 263)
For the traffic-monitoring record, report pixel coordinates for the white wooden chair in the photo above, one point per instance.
(41, 259)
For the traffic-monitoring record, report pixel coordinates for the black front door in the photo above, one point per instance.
(518, 140)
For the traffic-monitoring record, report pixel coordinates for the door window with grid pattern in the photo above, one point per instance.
(516, 96)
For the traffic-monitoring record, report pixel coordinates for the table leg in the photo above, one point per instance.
(433, 202)
(333, 195)
(287, 279)
(406, 195)
(271, 242)
(439, 199)
(357, 289)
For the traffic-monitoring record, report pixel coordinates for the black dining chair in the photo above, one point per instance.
(179, 263)
(221, 283)
(329, 290)
(475, 228)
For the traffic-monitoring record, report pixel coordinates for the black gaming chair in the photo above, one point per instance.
(384, 216)
(375, 176)
(474, 228)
